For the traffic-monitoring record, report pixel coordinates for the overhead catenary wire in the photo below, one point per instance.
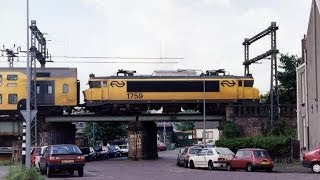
(109, 57)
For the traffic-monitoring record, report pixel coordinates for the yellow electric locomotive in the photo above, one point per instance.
(57, 89)
(129, 93)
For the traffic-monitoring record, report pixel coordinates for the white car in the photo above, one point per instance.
(211, 158)
(38, 156)
(124, 149)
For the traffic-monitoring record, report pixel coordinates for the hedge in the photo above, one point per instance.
(277, 146)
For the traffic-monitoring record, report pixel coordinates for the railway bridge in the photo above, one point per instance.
(142, 130)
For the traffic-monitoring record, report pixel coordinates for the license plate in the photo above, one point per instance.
(264, 162)
(67, 161)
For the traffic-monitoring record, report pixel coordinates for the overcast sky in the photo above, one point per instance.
(208, 34)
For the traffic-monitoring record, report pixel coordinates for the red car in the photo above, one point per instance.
(311, 160)
(161, 146)
(251, 159)
(62, 157)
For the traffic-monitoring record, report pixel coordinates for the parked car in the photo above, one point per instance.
(62, 157)
(185, 154)
(251, 160)
(37, 155)
(102, 152)
(89, 153)
(34, 152)
(311, 159)
(211, 158)
(161, 146)
(114, 151)
(124, 149)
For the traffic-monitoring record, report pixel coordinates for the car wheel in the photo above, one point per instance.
(192, 165)
(49, 172)
(315, 167)
(229, 167)
(269, 169)
(80, 172)
(210, 165)
(186, 164)
(71, 172)
(249, 168)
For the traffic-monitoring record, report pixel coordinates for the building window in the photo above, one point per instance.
(12, 77)
(0, 98)
(65, 88)
(303, 88)
(13, 98)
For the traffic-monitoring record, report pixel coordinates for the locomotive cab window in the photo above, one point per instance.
(0, 98)
(94, 84)
(248, 83)
(65, 88)
(13, 98)
(12, 77)
(240, 83)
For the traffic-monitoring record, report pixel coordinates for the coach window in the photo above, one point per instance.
(0, 77)
(0, 98)
(50, 89)
(12, 77)
(38, 89)
(104, 84)
(13, 98)
(65, 88)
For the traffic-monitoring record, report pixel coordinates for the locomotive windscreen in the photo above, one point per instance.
(172, 86)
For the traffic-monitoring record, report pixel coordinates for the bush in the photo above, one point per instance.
(22, 173)
(277, 146)
(6, 163)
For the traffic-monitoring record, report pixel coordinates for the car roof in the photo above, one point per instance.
(250, 149)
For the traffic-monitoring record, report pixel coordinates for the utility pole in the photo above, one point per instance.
(164, 132)
(204, 112)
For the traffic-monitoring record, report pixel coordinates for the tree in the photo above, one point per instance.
(184, 126)
(107, 132)
(287, 78)
(230, 131)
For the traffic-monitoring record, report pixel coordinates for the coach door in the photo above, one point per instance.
(45, 92)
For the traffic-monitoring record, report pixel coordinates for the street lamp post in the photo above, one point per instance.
(204, 111)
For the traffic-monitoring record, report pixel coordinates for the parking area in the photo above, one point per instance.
(165, 168)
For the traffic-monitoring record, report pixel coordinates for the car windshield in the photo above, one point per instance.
(260, 153)
(194, 150)
(38, 151)
(224, 151)
(85, 150)
(123, 147)
(98, 148)
(111, 148)
(65, 149)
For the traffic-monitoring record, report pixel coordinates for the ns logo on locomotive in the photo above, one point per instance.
(58, 91)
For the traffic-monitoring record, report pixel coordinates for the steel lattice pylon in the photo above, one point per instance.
(274, 96)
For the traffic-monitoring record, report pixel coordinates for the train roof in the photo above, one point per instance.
(54, 71)
(171, 77)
